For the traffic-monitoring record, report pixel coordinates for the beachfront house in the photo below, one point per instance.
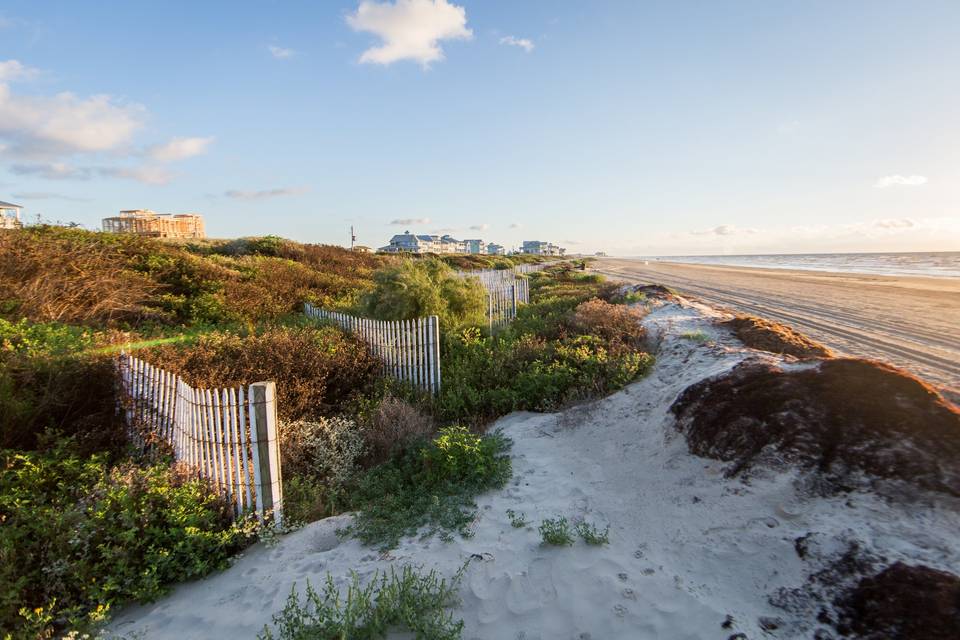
(494, 249)
(10, 215)
(475, 246)
(541, 248)
(143, 222)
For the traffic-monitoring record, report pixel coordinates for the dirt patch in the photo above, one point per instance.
(839, 419)
(903, 602)
(656, 292)
(774, 337)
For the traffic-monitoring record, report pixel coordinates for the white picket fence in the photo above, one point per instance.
(409, 349)
(505, 292)
(228, 436)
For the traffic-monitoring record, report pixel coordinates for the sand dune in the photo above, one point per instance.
(692, 554)
(911, 322)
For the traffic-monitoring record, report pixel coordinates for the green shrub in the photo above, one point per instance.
(405, 601)
(433, 486)
(418, 288)
(590, 534)
(556, 532)
(79, 537)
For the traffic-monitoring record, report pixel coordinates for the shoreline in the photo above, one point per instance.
(910, 321)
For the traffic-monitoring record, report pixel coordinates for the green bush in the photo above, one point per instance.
(408, 601)
(432, 486)
(556, 532)
(418, 288)
(78, 537)
(590, 534)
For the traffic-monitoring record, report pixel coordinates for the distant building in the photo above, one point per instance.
(494, 249)
(541, 248)
(10, 215)
(415, 243)
(144, 222)
(359, 248)
(475, 246)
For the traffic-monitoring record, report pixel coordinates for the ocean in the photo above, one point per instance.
(940, 264)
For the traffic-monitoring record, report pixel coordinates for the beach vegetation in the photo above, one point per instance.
(80, 537)
(591, 534)
(556, 532)
(695, 336)
(517, 520)
(431, 487)
(407, 600)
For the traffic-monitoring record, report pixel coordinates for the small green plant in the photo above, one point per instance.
(396, 601)
(592, 535)
(556, 532)
(696, 336)
(517, 520)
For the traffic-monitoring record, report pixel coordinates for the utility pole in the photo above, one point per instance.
(353, 238)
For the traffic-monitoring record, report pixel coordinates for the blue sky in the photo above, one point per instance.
(638, 128)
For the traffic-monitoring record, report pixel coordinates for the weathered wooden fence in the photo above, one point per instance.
(409, 349)
(228, 436)
(505, 292)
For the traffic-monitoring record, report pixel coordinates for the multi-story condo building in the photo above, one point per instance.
(144, 222)
(10, 215)
(475, 246)
(494, 249)
(541, 248)
(415, 243)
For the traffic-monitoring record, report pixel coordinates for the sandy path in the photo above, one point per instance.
(908, 321)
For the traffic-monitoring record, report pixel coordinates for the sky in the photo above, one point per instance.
(630, 127)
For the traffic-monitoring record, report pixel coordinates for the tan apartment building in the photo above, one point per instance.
(144, 222)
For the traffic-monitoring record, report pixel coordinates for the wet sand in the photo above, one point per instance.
(912, 322)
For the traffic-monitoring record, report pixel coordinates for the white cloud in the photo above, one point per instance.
(405, 222)
(179, 149)
(11, 70)
(281, 53)
(898, 180)
(264, 194)
(479, 227)
(64, 123)
(409, 29)
(145, 174)
(524, 43)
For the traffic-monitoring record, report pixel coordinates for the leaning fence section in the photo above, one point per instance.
(227, 436)
(409, 349)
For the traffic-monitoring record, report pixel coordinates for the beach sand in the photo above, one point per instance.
(693, 554)
(911, 322)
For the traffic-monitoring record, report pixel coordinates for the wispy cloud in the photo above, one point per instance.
(52, 171)
(146, 174)
(179, 149)
(409, 29)
(406, 222)
(724, 230)
(900, 223)
(524, 43)
(47, 195)
(479, 227)
(281, 53)
(516, 225)
(264, 194)
(898, 180)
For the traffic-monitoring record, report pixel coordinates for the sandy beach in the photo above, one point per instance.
(911, 322)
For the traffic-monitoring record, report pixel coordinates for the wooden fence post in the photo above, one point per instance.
(264, 408)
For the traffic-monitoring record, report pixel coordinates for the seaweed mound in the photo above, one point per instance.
(903, 602)
(774, 337)
(840, 418)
